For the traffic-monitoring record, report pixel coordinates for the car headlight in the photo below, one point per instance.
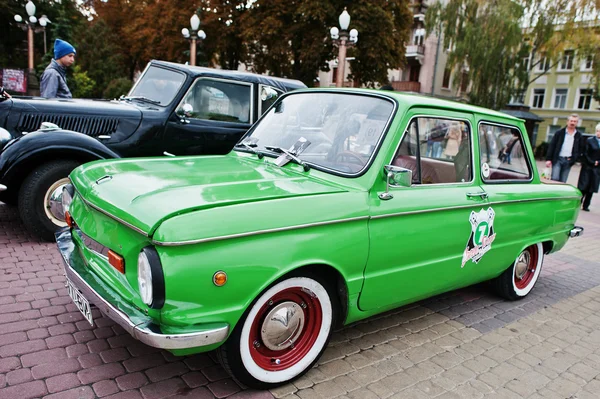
(151, 283)
(67, 197)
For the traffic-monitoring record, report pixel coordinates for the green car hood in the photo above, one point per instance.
(146, 192)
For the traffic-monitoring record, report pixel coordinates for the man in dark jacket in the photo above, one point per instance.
(54, 79)
(589, 177)
(563, 150)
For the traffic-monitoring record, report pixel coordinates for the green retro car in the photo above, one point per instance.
(338, 204)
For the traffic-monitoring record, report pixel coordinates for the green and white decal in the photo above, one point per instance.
(482, 235)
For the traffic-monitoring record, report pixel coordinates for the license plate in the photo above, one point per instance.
(79, 300)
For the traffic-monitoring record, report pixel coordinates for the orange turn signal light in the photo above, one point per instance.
(220, 278)
(116, 261)
(69, 219)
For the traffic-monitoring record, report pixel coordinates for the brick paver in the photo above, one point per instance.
(464, 344)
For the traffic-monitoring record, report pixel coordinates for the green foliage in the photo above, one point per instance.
(117, 87)
(81, 85)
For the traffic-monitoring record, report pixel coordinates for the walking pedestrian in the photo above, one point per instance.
(54, 79)
(563, 150)
(589, 177)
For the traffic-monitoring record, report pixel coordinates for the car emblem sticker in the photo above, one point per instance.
(485, 170)
(482, 235)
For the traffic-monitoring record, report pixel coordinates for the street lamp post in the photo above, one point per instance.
(29, 26)
(343, 39)
(193, 35)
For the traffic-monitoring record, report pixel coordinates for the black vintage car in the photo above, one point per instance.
(173, 109)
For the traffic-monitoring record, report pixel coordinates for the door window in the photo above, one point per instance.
(503, 153)
(217, 100)
(437, 150)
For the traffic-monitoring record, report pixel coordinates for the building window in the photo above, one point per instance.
(334, 77)
(585, 99)
(560, 98)
(518, 98)
(566, 64)
(538, 98)
(464, 82)
(446, 79)
(588, 62)
(544, 63)
(418, 37)
(526, 63)
(551, 130)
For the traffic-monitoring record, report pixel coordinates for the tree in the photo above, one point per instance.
(291, 38)
(496, 46)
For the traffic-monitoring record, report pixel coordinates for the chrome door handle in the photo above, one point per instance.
(481, 194)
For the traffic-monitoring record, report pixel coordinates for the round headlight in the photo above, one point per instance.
(145, 278)
(66, 197)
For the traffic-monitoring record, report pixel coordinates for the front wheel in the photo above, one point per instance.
(39, 196)
(282, 334)
(519, 279)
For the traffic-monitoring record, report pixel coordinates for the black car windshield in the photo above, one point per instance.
(342, 130)
(158, 86)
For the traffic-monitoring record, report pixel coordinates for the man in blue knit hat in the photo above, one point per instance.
(54, 79)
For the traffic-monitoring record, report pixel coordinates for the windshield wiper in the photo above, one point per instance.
(251, 147)
(290, 155)
(141, 98)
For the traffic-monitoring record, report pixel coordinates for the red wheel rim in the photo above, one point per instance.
(528, 261)
(303, 340)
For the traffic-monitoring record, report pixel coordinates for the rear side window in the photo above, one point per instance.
(503, 155)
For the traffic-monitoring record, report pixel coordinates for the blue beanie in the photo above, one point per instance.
(62, 48)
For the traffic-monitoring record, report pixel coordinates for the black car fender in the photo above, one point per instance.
(22, 155)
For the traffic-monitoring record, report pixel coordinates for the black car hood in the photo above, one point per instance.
(91, 117)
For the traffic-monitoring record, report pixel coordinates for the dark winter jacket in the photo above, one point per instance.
(556, 145)
(54, 82)
(589, 178)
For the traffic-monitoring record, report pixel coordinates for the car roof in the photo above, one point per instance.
(195, 71)
(408, 100)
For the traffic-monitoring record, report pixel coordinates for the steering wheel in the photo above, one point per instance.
(349, 154)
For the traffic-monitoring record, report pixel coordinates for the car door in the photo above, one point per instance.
(420, 238)
(211, 117)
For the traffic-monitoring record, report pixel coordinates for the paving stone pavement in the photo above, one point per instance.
(464, 344)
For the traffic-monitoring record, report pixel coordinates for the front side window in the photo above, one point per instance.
(502, 153)
(585, 98)
(560, 98)
(158, 86)
(437, 151)
(339, 132)
(538, 98)
(217, 100)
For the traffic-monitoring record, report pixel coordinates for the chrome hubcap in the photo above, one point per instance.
(282, 326)
(522, 265)
(53, 203)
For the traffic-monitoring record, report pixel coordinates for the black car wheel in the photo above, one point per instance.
(36, 195)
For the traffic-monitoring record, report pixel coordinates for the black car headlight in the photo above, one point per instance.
(151, 282)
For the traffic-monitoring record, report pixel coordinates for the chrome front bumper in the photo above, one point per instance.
(145, 331)
(576, 231)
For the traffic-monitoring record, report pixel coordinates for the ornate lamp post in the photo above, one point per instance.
(343, 39)
(29, 26)
(193, 35)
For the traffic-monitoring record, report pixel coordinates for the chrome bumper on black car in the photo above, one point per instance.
(576, 231)
(143, 329)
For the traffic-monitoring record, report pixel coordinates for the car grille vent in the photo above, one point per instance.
(91, 126)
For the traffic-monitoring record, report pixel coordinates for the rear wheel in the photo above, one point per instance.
(282, 334)
(39, 196)
(519, 279)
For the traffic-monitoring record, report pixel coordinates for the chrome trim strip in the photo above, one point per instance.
(141, 331)
(102, 211)
(93, 245)
(576, 231)
(478, 204)
(257, 232)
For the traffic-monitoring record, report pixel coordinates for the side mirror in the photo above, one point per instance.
(267, 93)
(185, 111)
(395, 176)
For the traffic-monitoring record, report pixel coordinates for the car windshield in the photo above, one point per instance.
(157, 85)
(338, 131)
